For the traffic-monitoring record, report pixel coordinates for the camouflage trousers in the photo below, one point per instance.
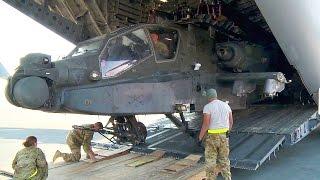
(75, 148)
(217, 156)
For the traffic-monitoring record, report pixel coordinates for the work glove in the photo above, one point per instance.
(227, 134)
(199, 143)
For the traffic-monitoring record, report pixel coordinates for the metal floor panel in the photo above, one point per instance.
(278, 119)
(247, 150)
(295, 122)
(175, 141)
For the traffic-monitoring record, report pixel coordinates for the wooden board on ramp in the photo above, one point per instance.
(156, 155)
(182, 164)
(109, 154)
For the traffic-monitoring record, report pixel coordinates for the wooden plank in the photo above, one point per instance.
(156, 155)
(199, 176)
(102, 158)
(85, 170)
(109, 154)
(110, 151)
(117, 168)
(183, 163)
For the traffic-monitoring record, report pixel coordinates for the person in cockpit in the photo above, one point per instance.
(161, 48)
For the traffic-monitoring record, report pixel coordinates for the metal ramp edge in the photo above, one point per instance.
(303, 130)
(249, 151)
(259, 135)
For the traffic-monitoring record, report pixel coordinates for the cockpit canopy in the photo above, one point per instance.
(128, 49)
(88, 47)
(124, 51)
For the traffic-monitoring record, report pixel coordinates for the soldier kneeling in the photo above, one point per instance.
(79, 136)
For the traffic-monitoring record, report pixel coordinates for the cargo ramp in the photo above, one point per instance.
(171, 154)
(256, 136)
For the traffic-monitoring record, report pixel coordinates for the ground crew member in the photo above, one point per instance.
(76, 138)
(30, 162)
(217, 121)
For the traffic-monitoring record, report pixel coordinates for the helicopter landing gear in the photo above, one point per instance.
(126, 129)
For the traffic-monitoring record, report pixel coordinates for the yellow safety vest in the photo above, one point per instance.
(34, 174)
(218, 131)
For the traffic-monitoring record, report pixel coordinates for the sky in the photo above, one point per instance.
(20, 35)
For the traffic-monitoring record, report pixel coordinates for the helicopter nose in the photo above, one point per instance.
(31, 92)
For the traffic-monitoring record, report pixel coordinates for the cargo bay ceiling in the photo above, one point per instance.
(79, 20)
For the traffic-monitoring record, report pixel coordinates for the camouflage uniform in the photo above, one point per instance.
(75, 139)
(217, 156)
(30, 163)
(161, 49)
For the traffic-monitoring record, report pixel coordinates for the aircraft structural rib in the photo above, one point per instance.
(55, 22)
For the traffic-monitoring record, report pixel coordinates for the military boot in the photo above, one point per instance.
(57, 155)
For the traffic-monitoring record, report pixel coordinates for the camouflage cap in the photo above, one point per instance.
(210, 93)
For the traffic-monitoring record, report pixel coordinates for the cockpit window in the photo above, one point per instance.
(122, 52)
(165, 42)
(87, 47)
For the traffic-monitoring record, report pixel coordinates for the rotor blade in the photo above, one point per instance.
(3, 72)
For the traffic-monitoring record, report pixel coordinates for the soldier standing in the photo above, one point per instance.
(217, 121)
(79, 136)
(30, 162)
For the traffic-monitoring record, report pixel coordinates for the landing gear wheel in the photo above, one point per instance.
(127, 129)
(141, 132)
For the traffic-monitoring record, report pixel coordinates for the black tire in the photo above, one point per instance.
(141, 132)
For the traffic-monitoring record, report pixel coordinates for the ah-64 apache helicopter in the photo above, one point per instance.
(147, 69)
